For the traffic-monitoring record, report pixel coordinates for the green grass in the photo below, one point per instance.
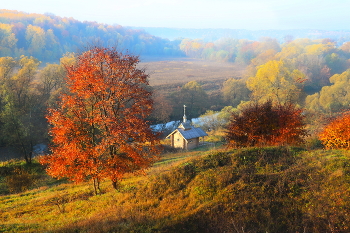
(274, 189)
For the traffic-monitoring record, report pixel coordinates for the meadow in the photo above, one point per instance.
(182, 70)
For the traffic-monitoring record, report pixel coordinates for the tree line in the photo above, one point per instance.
(48, 37)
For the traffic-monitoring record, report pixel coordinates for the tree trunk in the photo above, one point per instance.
(115, 184)
(97, 189)
(27, 156)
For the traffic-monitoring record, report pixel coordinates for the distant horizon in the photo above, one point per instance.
(186, 28)
(199, 14)
(273, 29)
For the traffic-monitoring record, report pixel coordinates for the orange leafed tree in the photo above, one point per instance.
(336, 135)
(265, 124)
(98, 129)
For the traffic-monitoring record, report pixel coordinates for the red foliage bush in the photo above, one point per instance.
(265, 124)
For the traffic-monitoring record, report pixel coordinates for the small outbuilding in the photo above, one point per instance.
(186, 136)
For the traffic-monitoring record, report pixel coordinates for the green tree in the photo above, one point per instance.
(194, 97)
(21, 107)
(234, 91)
(214, 120)
(225, 115)
(51, 78)
(162, 108)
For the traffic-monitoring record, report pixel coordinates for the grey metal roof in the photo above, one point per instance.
(192, 133)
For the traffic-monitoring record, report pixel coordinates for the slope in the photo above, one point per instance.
(248, 190)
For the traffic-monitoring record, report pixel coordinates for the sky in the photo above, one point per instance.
(232, 14)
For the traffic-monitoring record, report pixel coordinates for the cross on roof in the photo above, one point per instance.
(184, 118)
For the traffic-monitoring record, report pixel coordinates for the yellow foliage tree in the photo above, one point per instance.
(319, 49)
(7, 39)
(289, 52)
(277, 82)
(36, 39)
(7, 65)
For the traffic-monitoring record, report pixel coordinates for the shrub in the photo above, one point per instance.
(314, 143)
(214, 160)
(265, 124)
(19, 181)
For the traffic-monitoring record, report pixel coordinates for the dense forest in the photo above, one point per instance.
(47, 37)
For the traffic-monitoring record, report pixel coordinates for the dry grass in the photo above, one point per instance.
(274, 189)
(48, 208)
(182, 71)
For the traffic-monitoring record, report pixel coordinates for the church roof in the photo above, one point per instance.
(190, 133)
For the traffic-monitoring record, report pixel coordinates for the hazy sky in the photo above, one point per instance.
(235, 14)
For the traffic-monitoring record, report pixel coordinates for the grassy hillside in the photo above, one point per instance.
(248, 190)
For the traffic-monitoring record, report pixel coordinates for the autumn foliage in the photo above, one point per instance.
(336, 135)
(265, 124)
(99, 129)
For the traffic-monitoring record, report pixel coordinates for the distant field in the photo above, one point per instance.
(181, 71)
